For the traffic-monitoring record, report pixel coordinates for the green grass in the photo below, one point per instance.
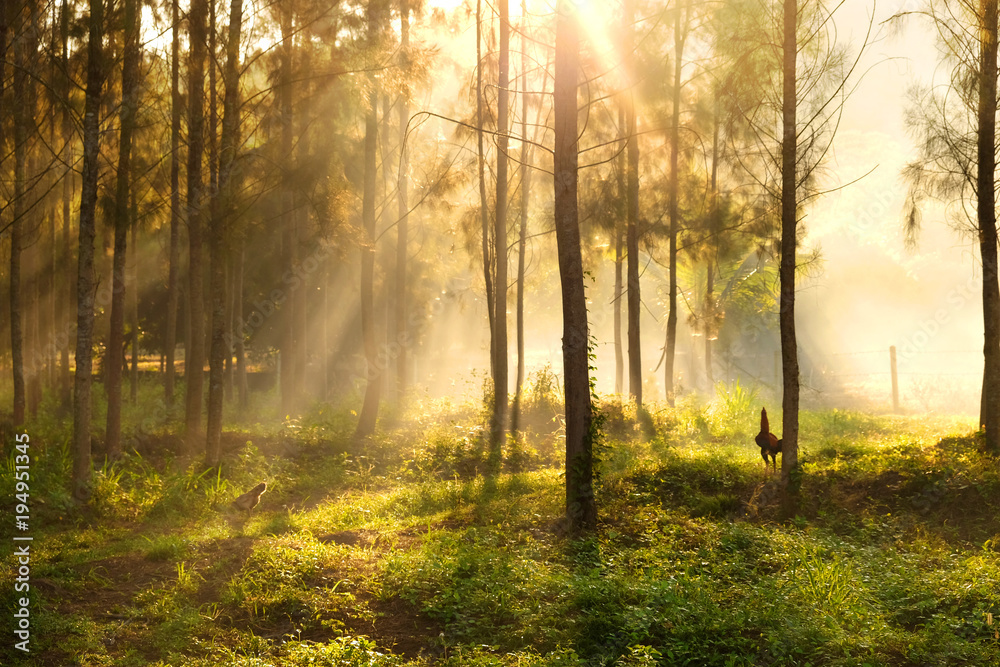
(404, 552)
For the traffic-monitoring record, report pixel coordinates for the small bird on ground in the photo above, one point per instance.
(770, 445)
(250, 499)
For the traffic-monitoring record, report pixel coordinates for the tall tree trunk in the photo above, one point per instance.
(4, 109)
(33, 255)
(710, 321)
(194, 359)
(620, 224)
(223, 210)
(85, 272)
(326, 345)
(116, 336)
(581, 508)
(133, 302)
(300, 310)
(212, 135)
(230, 305)
(384, 297)
(17, 227)
(483, 201)
(714, 211)
(289, 238)
(789, 222)
(65, 293)
(52, 180)
(674, 186)
(185, 316)
(369, 409)
(241, 360)
(632, 233)
(33, 366)
(986, 211)
(402, 337)
(175, 206)
(64, 301)
(500, 239)
(33, 361)
(51, 268)
(113, 355)
(522, 236)
(217, 350)
(16, 320)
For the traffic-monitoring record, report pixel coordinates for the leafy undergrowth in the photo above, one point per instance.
(418, 548)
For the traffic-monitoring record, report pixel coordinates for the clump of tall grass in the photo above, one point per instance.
(542, 405)
(734, 414)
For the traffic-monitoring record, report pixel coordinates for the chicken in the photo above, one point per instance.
(250, 499)
(769, 444)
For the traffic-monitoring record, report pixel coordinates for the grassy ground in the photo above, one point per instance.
(404, 552)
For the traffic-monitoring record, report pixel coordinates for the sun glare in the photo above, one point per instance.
(598, 23)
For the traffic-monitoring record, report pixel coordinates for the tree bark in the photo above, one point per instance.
(710, 321)
(133, 306)
(674, 187)
(522, 237)
(116, 336)
(402, 337)
(326, 345)
(115, 350)
(289, 237)
(28, 42)
(21, 120)
(52, 272)
(173, 270)
(710, 306)
(194, 361)
(241, 361)
(217, 349)
(632, 235)
(213, 107)
(581, 509)
(483, 202)
(789, 223)
(52, 263)
(220, 223)
(227, 372)
(986, 212)
(620, 224)
(500, 381)
(31, 266)
(300, 311)
(65, 293)
(85, 271)
(373, 388)
(5, 109)
(214, 169)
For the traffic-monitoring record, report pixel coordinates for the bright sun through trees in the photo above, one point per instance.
(493, 333)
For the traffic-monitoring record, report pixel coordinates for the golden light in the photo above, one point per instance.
(446, 5)
(452, 5)
(596, 18)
